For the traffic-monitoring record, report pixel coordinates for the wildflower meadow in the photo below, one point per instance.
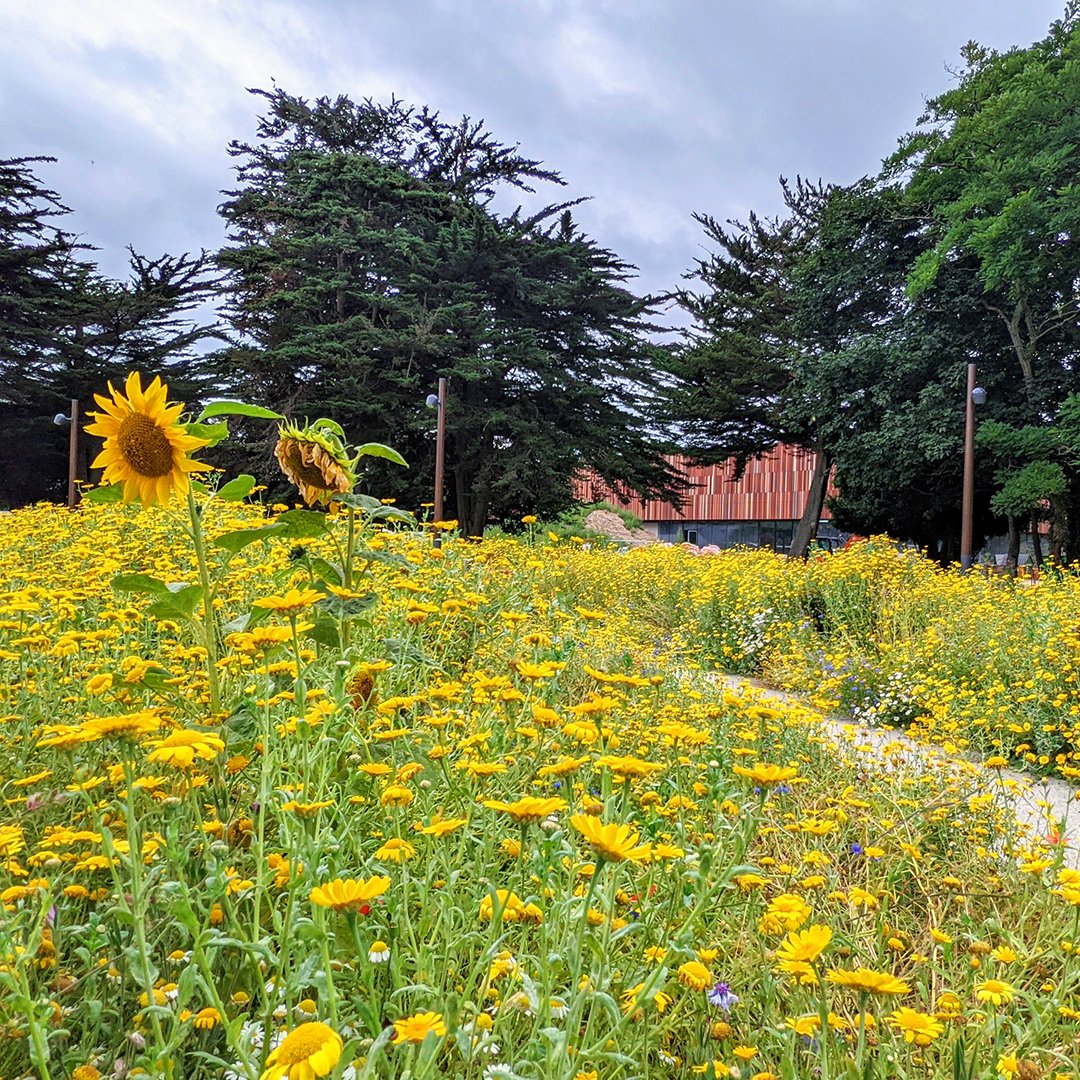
(291, 792)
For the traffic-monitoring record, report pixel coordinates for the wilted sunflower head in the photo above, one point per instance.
(314, 458)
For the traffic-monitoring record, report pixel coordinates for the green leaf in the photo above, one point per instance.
(355, 606)
(180, 604)
(212, 433)
(358, 502)
(234, 541)
(301, 524)
(327, 571)
(243, 724)
(325, 424)
(391, 513)
(246, 621)
(238, 408)
(374, 449)
(236, 489)
(157, 679)
(387, 558)
(111, 493)
(325, 632)
(139, 583)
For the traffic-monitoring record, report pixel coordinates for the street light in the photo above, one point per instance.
(976, 395)
(438, 401)
(73, 449)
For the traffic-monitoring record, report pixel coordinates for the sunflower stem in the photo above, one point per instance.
(209, 620)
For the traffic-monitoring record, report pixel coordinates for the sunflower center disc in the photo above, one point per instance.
(145, 446)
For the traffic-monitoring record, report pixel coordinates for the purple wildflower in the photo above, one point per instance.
(722, 997)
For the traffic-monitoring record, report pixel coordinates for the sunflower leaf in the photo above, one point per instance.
(325, 632)
(301, 524)
(110, 493)
(236, 489)
(211, 433)
(177, 605)
(240, 538)
(139, 583)
(237, 408)
(358, 501)
(356, 605)
(374, 449)
(392, 513)
(328, 571)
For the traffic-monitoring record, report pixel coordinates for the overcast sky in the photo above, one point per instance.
(655, 108)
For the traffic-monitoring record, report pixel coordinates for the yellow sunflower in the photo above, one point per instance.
(146, 449)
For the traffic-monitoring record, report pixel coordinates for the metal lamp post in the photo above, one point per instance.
(73, 450)
(976, 395)
(438, 401)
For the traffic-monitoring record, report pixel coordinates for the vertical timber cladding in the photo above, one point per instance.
(772, 488)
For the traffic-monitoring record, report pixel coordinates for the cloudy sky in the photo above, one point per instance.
(655, 108)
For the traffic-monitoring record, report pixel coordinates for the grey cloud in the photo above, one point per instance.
(656, 108)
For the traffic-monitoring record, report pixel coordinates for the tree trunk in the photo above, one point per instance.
(1012, 559)
(1072, 521)
(806, 529)
(461, 496)
(478, 518)
(1016, 322)
(1059, 529)
(1036, 541)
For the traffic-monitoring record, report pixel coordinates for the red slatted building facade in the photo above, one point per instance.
(758, 510)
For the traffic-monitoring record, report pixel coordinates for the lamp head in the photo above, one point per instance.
(432, 401)
(60, 419)
(978, 395)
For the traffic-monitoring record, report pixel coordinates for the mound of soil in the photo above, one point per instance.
(613, 527)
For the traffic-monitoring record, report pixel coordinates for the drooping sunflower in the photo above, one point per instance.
(314, 458)
(146, 448)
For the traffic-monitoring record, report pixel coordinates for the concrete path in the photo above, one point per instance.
(1046, 809)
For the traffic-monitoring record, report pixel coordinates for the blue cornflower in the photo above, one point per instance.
(722, 997)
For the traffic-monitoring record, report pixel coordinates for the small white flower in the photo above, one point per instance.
(559, 1008)
(379, 952)
(251, 1034)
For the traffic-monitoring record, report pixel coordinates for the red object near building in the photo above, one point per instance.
(760, 509)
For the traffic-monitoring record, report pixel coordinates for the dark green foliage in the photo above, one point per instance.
(65, 331)
(366, 261)
(847, 325)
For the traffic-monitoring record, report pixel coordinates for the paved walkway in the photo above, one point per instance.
(1043, 807)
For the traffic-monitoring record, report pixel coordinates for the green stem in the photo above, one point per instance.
(300, 685)
(331, 997)
(39, 1042)
(860, 1053)
(575, 960)
(209, 619)
(823, 1013)
(348, 572)
(138, 912)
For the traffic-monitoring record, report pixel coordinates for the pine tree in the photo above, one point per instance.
(366, 261)
(65, 330)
